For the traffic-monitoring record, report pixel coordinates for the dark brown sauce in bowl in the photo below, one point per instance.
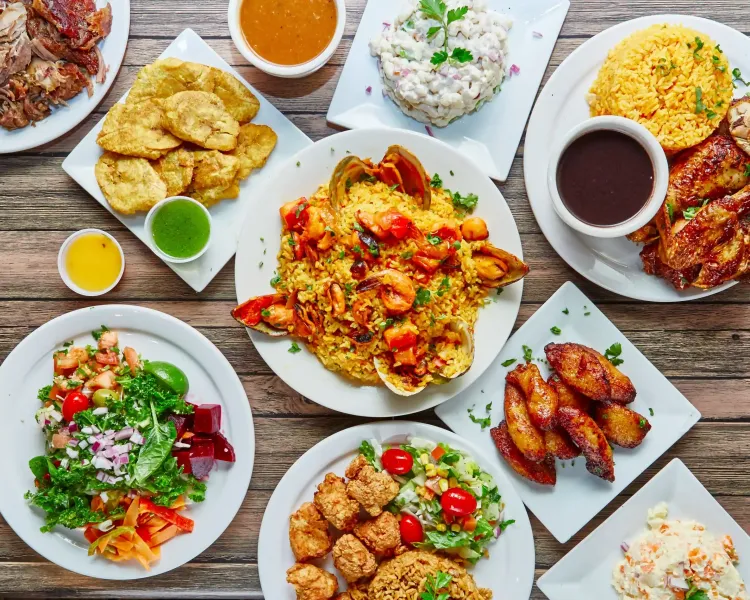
(605, 177)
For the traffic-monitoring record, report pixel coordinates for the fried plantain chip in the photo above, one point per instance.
(168, 76)
(214, 169)
(542, 473)
(568, 396)
(622, 426)
(587, 435)
(541, 398)
(254, 146)
(136, 131)
(526, 437)
(176, 169)
(580, 369)
(211, 196)
(200, 118)
(558, 444)
(622, 389)
(129, 184)
(239, 101)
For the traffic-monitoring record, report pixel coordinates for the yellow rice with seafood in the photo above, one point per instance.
(384, 286)
(673, 80)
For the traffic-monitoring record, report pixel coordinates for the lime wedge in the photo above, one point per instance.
(171, 376)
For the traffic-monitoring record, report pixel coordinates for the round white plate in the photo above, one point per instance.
(613, 264)
(156, 336)
(509, 572)
(65, 118)
(260, 241)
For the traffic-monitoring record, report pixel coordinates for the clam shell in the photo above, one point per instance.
(467, 344)
(380, 368)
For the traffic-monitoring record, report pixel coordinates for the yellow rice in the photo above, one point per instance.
(458, 294)
(673, 80)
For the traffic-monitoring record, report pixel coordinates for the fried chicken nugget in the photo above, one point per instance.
(311, 582)
(558, 444)
(371, 489)
(136, 131)
(254, 145)
(622, 426)
(308, 533)
(579, 367)
(586, 434)
(200, 118)
(622, 389)
(176, 169)
(542, 473)
(568, 396)
(337, 507)
(541, 398)
(129, 184)
(352, 559)
(526, 437)
(381, 535)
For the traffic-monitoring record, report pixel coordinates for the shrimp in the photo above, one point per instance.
(315, 228)
(337, 299)
(70, 360)
(397, 291)
(107, 341)
(385, 223)
(439, 243)
(107, 358)
(103, 381)
(131, 358)
(279, 316)
(361, 312)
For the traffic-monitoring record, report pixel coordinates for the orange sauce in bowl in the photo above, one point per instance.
(288, 32)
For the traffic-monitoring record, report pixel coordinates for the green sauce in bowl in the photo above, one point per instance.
(180, 229)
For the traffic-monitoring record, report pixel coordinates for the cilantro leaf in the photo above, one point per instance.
(436, 182)
(433, 9)
(462, 55)
(528, 353)
(433, 31)
(439, 58)
(294, 348)
(457, 14)
(613, 354)
(507, 363)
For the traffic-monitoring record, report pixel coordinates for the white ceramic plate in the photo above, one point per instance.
(260, 242)
(489, 137)
(586, 571)
(578, 495)
(157, 336)
(509, 572)
(613, 264)
(227, 215)
(65, 118)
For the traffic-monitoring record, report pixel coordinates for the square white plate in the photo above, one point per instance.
(578, 496)
(489, 137)
(586, 571)
(228, 215)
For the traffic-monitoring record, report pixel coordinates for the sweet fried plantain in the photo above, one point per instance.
(580, 369)
(568, 396)
(541, 398)
(586, 434)
(622, 426)
(558, 444)
(527, 438)
(542, 473)
(622, 389)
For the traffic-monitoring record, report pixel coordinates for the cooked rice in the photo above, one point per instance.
(673, 80)
(458, 294)
(404, 578)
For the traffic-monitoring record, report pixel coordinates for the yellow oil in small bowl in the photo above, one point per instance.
(91, 262)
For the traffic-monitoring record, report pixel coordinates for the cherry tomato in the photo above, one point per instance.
(458, 502)
(74, 403)
(397, 461)
(411, 529)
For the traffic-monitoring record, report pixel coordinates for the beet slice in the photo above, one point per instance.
(182, 423)
(201, 456)
(223, 450)
(207, 418)
(183, 460)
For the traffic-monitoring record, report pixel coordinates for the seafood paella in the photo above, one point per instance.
(382, 273)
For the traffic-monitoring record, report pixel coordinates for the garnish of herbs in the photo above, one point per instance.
(437, 10)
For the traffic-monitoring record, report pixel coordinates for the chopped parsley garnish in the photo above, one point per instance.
(407, 255)
(690, 213)
(507, 363)
(298, 163)
(300, 208)
(466, 203)
(265, 312)
(670, 212)
(556, 330)
(717, 64)
(292, 243)
(699, 106)
(484, 422)
(98, 334)
(651, 411)
(433, 585)
(276, 280)
(698, 46)
(747, 170)
(423, 297)
(445, 285)
(357, 249)
(437, 10)
(436, 182)
(342, 254)
(613, 354)
(737, 75)
(294, 348)
(528, 353)
(457, 245)
(394, 186)
(385, 324)
(358, 227)
(433, 239)
(566, 311)
(642, 423)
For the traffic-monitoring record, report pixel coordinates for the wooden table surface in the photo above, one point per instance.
(703, 347)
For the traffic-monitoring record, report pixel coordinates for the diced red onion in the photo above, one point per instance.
(429, 131)
(101, 476)
(625, 547)
(386, 25)
(104, 496)
(124, 459)
(83, 444)
(96, 446)
(124, 434)
(87, 430)
(102, 463)
(73, 442)
(109, 432)
(679, 583)
(95, 429)
(368, 89)
(136, 438)
(515, 70)
(108, 452)
(64, 463)
(457, 77)
(72, 453)
(498, 531)
(45, 422)
(105, 525)
(100, 410)
(405, 72)
(537, 34)
(72, 427)
(181, 445)
(55, 416)
(85, 462)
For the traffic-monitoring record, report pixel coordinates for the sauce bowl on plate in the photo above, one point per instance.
(608, 177)
(91, 262)
(287, 38)
(179, 229)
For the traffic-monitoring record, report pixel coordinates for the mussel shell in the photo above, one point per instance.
(517, 269)
(401, 154)
(350, 169)
(462, 328)
(401, 391)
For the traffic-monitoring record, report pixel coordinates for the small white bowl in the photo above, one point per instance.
(64, 272)
(150, 219)
(661, 176)
(288, 71)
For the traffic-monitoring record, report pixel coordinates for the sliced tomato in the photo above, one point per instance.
(169, 515)
(438, 453)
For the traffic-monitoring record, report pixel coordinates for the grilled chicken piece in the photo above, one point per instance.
(710, 170)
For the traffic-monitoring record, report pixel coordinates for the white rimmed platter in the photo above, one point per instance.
(260, 241)
(227, 216)
(156, 336)
(65, 118)
(613, 264)
(586, 571)
(489, 137)
(509, 572)
(578, 496)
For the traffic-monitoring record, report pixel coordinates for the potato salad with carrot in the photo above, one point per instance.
(125, 453)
